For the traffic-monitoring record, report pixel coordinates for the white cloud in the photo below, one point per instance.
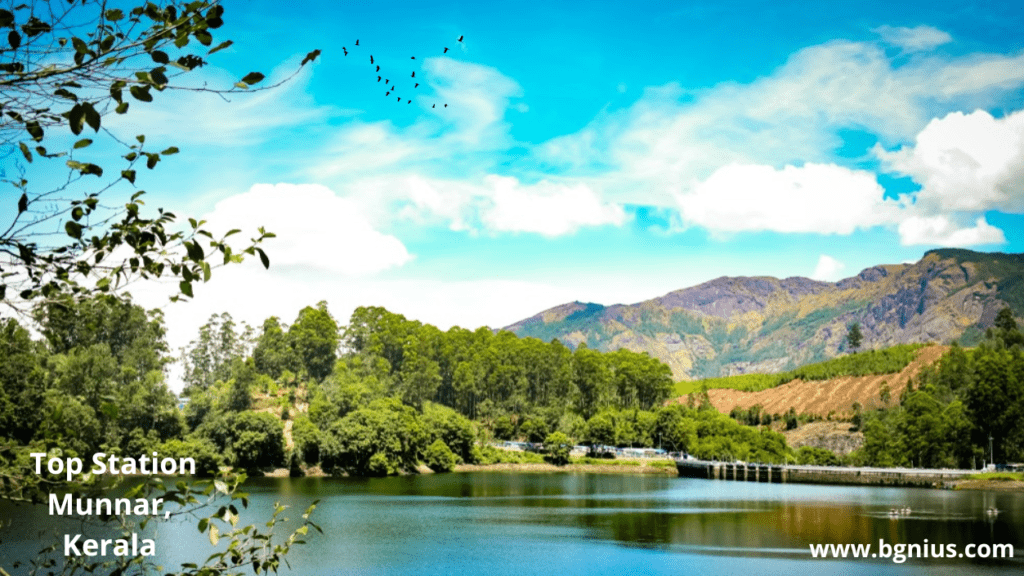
(966, 162)
(546, 208)
(828, 269)
(673, 137)
(913, 39)
(941, 231)
(504, 204)
(315, 229)
(818, 198)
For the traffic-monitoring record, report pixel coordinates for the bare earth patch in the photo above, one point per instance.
(834, 436)
(821, 397)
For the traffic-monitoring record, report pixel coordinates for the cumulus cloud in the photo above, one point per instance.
(828, 269)
(941, 231)
(546, 208)
(965, 162)
(316, 229)
(913, 39)
(504, 204)
(819, 198)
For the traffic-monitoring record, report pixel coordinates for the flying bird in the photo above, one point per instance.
(399, 98)
(388, 93)
(412, 58)
(445, 50)
(446, 105)
(408, 101)
(371, 58)
(416, 85)
(378, 78)
(386, 80)
(460, 38)
(433, 105)
(357, 41)
(413, 73)
(392, 88)
(345, 50)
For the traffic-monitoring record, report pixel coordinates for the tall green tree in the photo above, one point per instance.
(854, 337)
(314, 338)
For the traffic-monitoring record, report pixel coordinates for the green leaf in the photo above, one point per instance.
(171, 150)
(204, 37)
(128, 175)
(253, 78)
(186, 288)
(220, 47)
(82, 143)
(159, 56)
(77, 213)
(206, 272)
(64, 93)
(35, 130)
(6, 18)
(121, 108)
(92, 117)
(263, 258)
(80, 46)
(141, 93)
(113, 15)
(74, 229)
(14, 39)
(203, 524)
(25, 152)
(76, 119)
(195, 251)
(23, 203)
(151, 160)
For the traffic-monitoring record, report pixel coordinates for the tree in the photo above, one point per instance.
(439, 457)
(557, 448)
(854, 336)
(273, 352)
(65, 67)
(314, 338)
(209, 358)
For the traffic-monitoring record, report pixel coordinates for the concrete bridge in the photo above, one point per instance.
(744, 472)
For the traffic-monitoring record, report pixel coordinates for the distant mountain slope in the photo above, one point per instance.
(739, 325)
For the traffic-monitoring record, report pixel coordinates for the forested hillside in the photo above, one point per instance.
(378, 396)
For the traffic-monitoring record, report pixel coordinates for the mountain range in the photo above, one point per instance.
(738, 325)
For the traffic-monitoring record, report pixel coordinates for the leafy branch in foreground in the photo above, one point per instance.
(70, 64)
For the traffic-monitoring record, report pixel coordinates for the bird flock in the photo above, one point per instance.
(389, 87)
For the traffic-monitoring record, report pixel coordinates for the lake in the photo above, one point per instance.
(513, 523)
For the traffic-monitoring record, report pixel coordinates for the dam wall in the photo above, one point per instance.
(785, 474)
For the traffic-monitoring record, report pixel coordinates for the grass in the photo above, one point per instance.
(654, 463)
(1000, 476)
(886, 361)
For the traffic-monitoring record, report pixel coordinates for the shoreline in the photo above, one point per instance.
(973, 484)
(575, 468)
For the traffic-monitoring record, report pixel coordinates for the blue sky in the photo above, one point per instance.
(597, 151)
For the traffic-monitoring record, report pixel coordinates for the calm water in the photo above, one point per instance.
(515, 524)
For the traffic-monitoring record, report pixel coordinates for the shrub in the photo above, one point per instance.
(557, 448)
(439, 457)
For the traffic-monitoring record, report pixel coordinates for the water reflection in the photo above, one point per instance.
(513, 523)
